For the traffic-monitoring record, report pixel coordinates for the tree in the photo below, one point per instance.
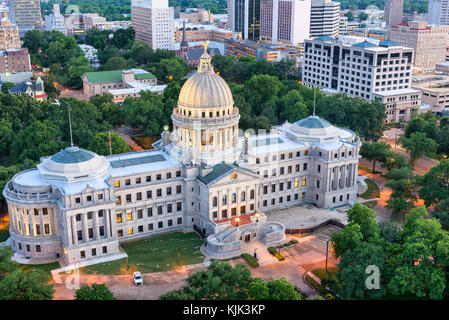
(351, 279)
(94, 292)
(350, 15)
(100, 144)
(259, 289)
(37, 140)
(6, 86)
(417, 145)
(366, 219)
(434, 184)
(117, 63)
(363, 16)
(220, 281)
(375, 151)
(6, 138)
(19, 285)
(393, 160)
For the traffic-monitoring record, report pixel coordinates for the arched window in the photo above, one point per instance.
(234, 198)
(225, 200)
(243, 196)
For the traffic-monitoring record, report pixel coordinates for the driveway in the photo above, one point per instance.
(309, 254)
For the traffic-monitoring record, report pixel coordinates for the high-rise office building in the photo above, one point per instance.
(153, 21)
(393, 12)
(438, 13)
(325, 18)
(26, 14)
(285, 20)
(429, 42)
(244, 17)
(364, 69)
(9, 34)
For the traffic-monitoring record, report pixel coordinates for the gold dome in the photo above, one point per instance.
(205, 89)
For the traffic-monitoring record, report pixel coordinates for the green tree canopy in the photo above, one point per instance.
(94, 292)
(100, 144)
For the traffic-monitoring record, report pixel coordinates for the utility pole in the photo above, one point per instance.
(327, 251)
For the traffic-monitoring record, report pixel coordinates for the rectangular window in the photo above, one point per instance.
(159, 210)
(169, 208)
(179, 220)
(140, 229)
(38, 229)
(91, 233)
(178, 189)
(158, 177)
(82, 254)
(128, 198)
(44, 211)
(159, 192)
(105, 249)
(120, 233)
(178, 206)
(94, 252)
(160, 224)
(138, 180)
(178, 173)
(79, 234)
(117, 184)
(139, 214)
(127, 182)
(139, 196)
(101, 231)
(89, 215)
(129, 215)
(170, 222)
(148, 178)
(150, 226)
(119, 218)
(130, 230)
(150, 211)
(168, 191)
(149, 194)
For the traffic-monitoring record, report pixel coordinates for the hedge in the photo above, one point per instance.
(275, 253)
(294, 241)
(251, 260)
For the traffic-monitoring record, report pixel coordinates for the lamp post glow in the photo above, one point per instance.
(237, 222)
(257, 217)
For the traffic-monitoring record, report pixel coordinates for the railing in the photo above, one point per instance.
(28, 196)
(216, 120)
(315, 228)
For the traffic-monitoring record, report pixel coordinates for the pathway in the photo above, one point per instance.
(126, 133)
(309, 254)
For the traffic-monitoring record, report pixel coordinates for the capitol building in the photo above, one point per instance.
(204, 175)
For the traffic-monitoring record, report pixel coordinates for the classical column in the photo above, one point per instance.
(106, 223)
(41, 223)
(68, 231)
(74, 233)
(96, 227)
(84, 227)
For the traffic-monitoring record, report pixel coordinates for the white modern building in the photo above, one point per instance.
(55, 21)
(153, 21)
(438, 13)
(202, 176)
(91, 54)
(364, 68)
(325, 18)
(286, 21)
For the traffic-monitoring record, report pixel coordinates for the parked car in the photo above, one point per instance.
(138, 280)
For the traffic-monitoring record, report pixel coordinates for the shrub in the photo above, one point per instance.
(294, 241)
(251, 260)
(275, 253)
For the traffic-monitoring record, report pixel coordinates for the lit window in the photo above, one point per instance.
(130, 230)
(129, 215)
(119, 218)
(304, 182)
(296, 183)
(117, 183)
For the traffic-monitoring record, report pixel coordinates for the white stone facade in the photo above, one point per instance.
(80, 206)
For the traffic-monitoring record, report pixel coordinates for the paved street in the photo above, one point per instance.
(300, 258)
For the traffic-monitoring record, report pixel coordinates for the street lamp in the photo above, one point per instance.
(257, 217)
(327, 251)
(237, 222)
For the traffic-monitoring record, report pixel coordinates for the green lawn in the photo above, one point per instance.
(4, 234)
(321, 273)
(43, 267)
(372, 192)
(175, 249)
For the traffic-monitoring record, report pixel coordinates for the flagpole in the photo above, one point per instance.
(110, 144)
